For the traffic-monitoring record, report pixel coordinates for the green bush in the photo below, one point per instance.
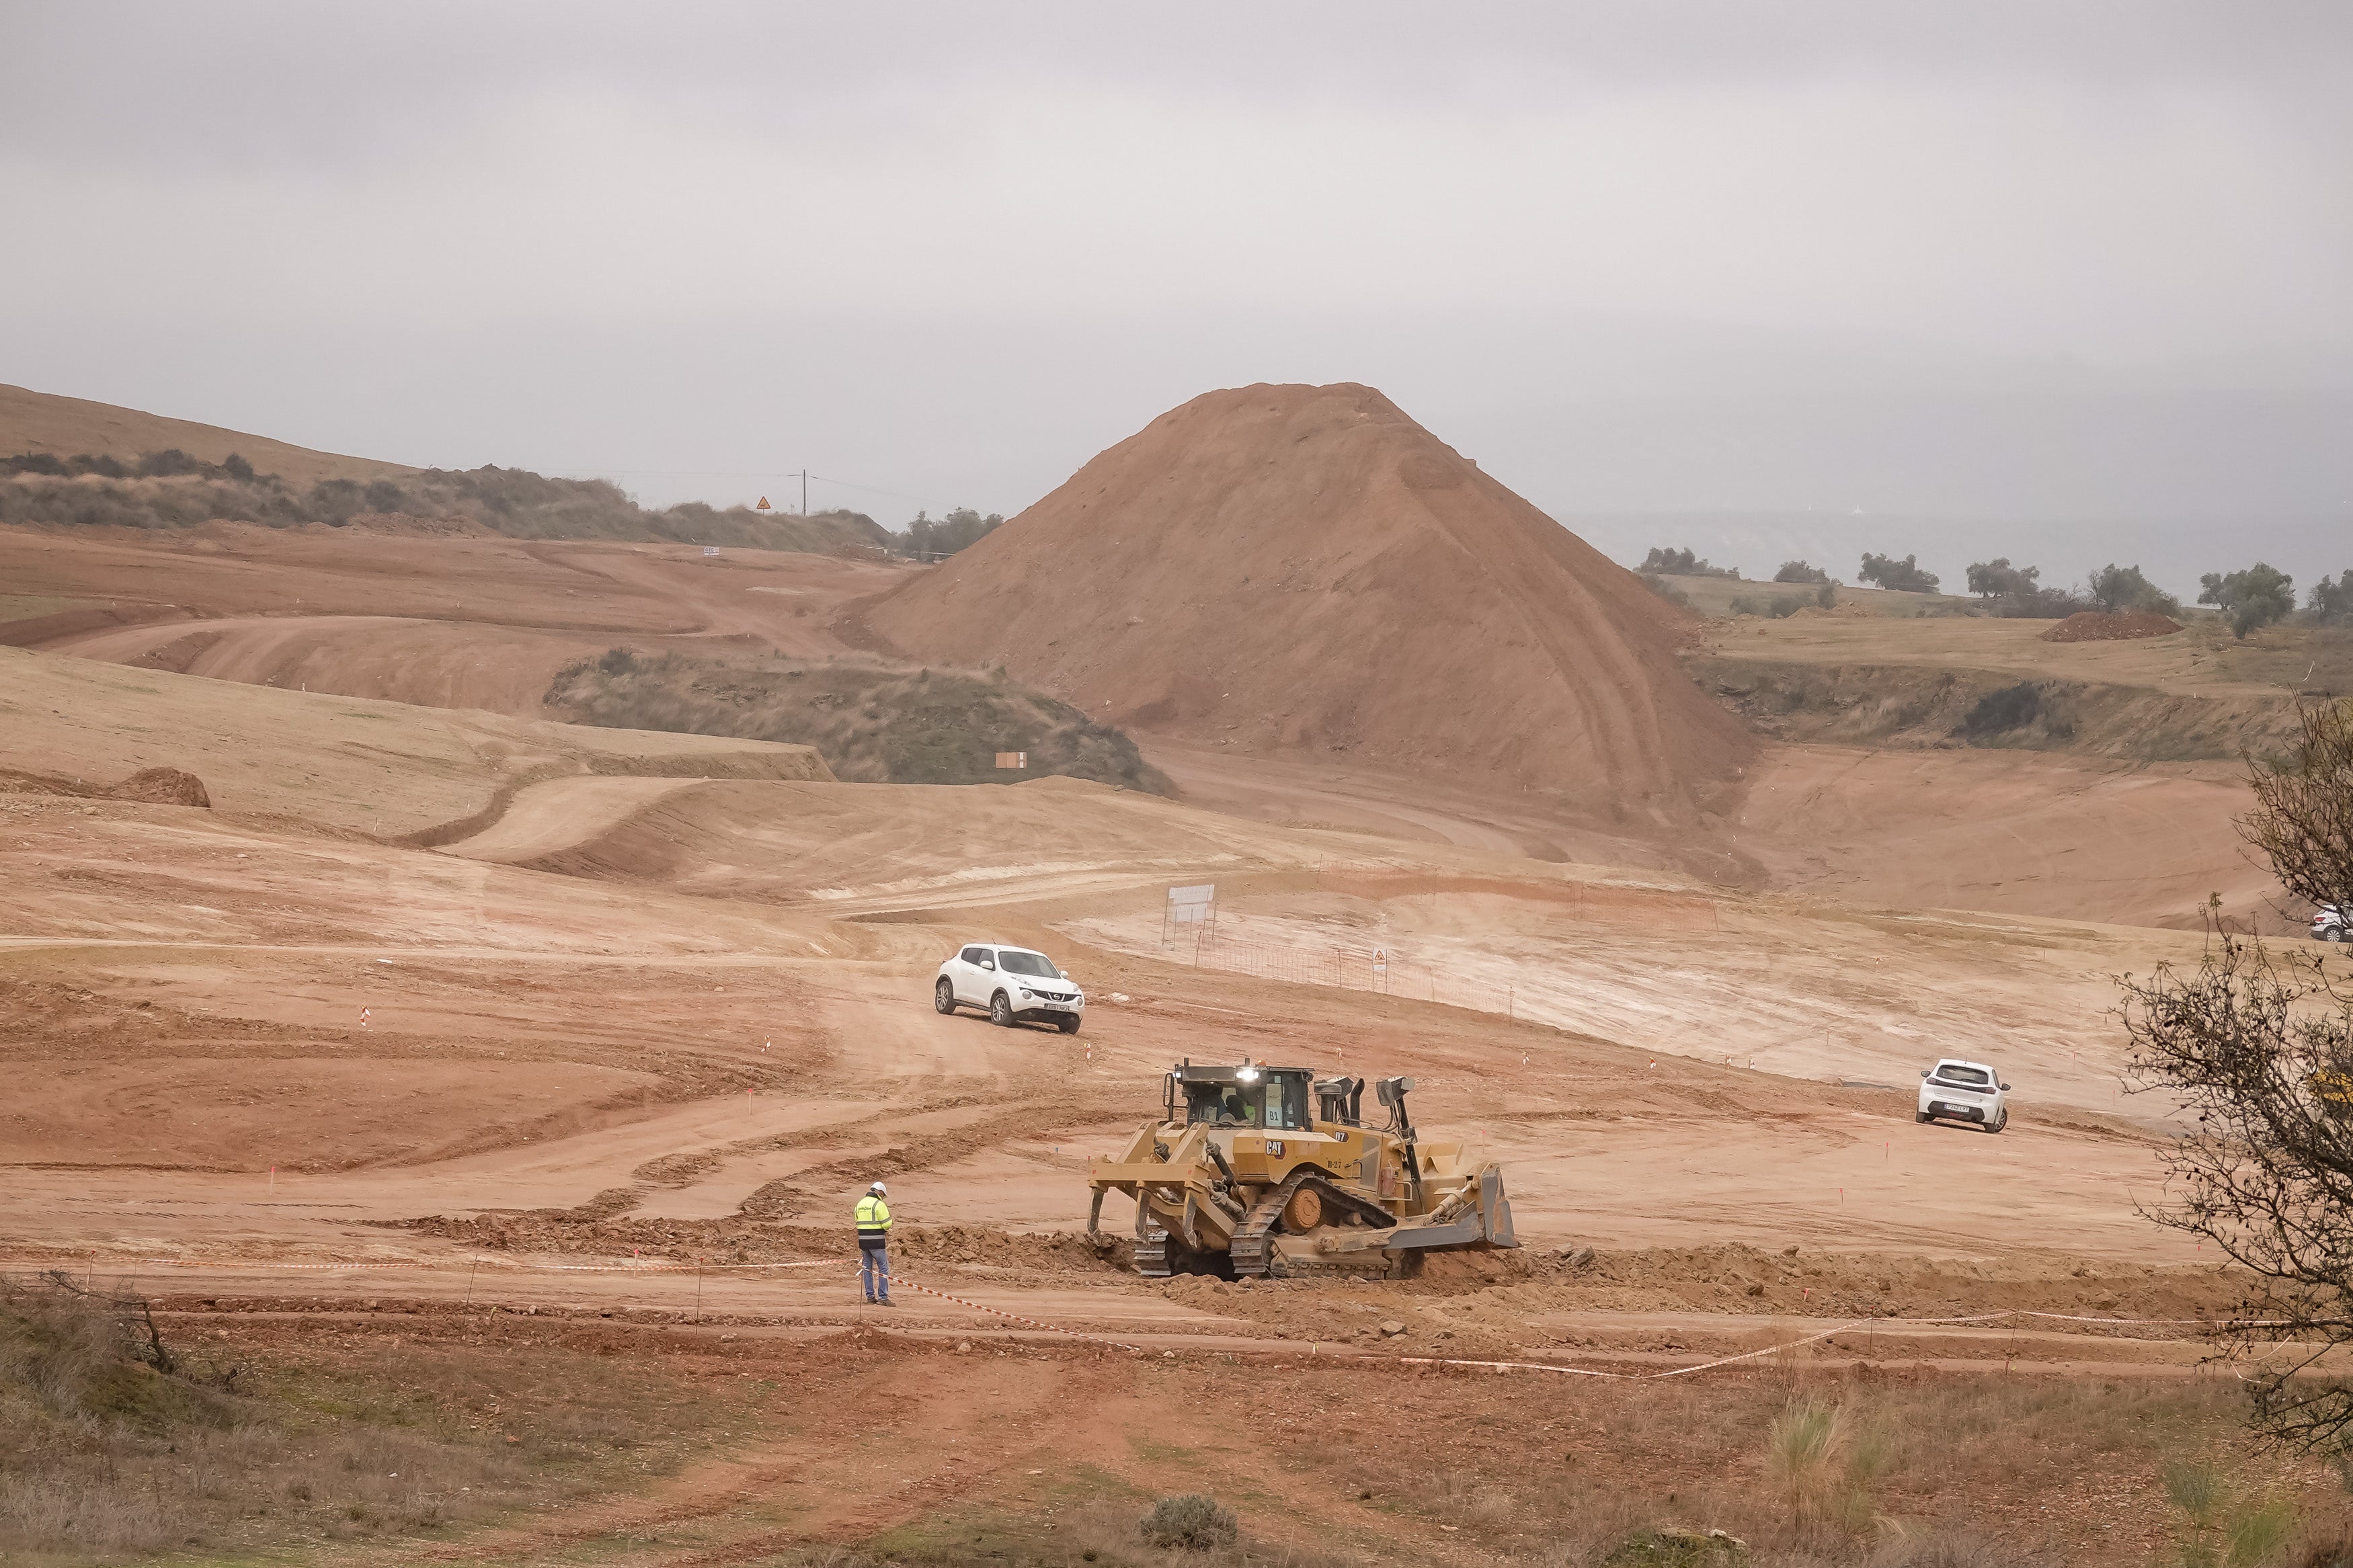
(929, 536)
(873, 720)
(1189, 1520)
(2254, 598)
(1904, 576)
(1669, 592)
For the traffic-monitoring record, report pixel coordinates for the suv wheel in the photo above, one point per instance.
(1000, 1011)
(1922, 1116)
(1998, 1122)
(943, 994)
(1070, 1024)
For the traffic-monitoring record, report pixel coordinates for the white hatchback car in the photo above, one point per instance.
(1013, 985)
(1964, 1091)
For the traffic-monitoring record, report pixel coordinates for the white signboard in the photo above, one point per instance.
(1381, 961)
(1191, 906)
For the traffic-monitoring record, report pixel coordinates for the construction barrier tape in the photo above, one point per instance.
(1015, 1317)
(1850, 1326)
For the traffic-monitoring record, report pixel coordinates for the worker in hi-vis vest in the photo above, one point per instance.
(874, 1243)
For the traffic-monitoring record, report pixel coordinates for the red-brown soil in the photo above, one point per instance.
(2099, 625)
(1305, 570)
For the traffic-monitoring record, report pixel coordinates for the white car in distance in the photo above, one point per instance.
(1012, 985)
(1964, 1091)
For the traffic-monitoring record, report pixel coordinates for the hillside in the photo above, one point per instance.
(874, 722)
(1305, 570)
(42, 422)
(67, 463)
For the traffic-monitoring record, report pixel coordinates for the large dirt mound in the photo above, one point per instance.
(1304, 568)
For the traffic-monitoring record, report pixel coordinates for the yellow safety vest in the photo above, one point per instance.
(873, 1216)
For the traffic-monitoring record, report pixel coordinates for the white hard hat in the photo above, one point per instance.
(878, 1187)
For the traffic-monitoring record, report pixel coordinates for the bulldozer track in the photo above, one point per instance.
(1252, 1249)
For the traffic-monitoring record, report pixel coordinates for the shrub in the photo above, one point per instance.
(1824, 1468)
(2249, 599)
(1677, 1549)
(1998, 578)
(1904, 576)
(2040, 604)
(1996, 712)
(2223, 1525)
(2332, 600)
(959, 530)
(2115, 589)
(1798, 572)
(1674, 595)
(1189, 1520)
(873, 720)
(1671, 562)
(167, 463)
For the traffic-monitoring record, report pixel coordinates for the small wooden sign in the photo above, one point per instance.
(1013, 759)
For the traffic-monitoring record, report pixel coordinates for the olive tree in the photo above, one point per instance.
(2258, 1047)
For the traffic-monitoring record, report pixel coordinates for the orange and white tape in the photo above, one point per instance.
(1851, 1326)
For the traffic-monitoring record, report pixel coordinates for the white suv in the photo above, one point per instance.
(1964, 1091)
(1013, 984)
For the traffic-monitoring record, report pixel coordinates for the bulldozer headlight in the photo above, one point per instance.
(1247, 1074)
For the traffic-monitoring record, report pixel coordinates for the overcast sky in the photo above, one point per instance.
(2061, 278)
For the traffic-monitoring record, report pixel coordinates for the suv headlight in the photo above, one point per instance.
(1032, 995)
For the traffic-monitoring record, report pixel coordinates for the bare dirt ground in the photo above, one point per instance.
(530, 1019)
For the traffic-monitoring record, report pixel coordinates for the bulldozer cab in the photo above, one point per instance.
(1247, 1096)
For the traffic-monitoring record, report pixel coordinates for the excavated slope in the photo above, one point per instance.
(1305, 569)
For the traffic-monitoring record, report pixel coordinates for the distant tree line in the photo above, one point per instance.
(929, 538)
(1664, 561)
(172, 489)
(2247, 600)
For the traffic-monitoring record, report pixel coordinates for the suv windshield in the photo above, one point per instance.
(1973, 1077)
(1016, 962)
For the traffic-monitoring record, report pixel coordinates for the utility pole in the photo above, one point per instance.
(804, 492)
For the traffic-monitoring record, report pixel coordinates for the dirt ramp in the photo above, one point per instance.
(1304, 569)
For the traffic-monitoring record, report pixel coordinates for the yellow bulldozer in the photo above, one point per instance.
(1268, 1171)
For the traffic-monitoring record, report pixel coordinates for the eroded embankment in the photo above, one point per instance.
(1907, 705)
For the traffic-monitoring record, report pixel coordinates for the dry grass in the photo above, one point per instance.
(106, 1456)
